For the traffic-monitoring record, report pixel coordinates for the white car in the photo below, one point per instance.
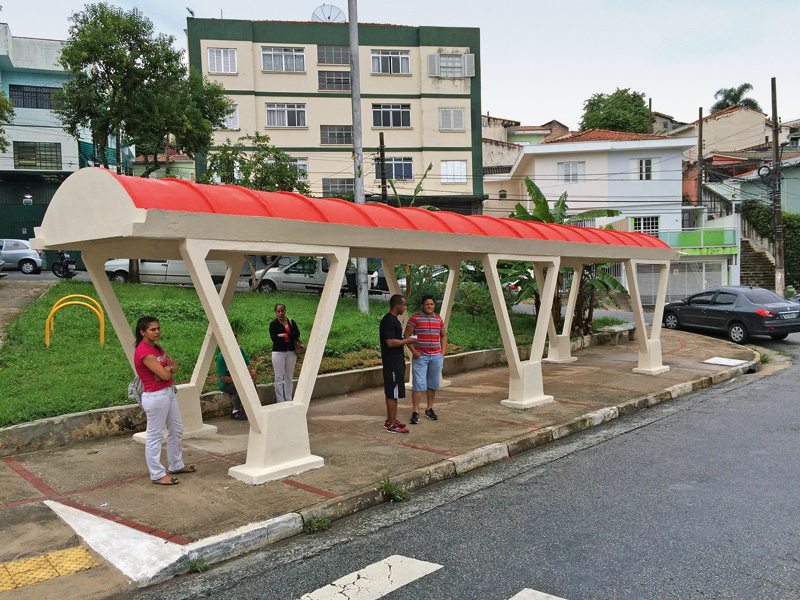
(302, 275)
(161, 271)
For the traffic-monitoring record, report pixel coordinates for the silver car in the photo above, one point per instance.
(18, 254)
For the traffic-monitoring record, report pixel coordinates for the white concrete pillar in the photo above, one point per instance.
(649, 346)
(559, 347)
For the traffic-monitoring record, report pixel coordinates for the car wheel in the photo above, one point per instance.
(671, 321)
(119, 277)
(737, 333)
(27, 266)
(779, 336)
(267, 286)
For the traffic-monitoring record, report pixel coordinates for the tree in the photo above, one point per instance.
(254, 163)
(623, 110)
(6, 115)
(127, 81)
(727, 97)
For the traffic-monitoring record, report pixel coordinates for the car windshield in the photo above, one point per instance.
(763, 297)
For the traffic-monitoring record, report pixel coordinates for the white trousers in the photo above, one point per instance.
(162, 410)
(283, 363)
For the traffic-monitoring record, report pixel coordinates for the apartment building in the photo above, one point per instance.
(420, 87)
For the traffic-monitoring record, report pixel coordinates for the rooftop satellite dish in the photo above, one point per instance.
(328, 14)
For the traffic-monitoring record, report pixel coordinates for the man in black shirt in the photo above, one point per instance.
(394, 361)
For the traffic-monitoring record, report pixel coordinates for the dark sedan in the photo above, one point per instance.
(738, 311)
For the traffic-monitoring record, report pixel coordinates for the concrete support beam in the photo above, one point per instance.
(559, 348)
(649, 347)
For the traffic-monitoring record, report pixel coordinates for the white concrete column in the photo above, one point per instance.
(649, 346)
(559, 348)
(525, 387)
(446, 309)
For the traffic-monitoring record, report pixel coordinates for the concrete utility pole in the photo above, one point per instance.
(382, 161)
(700, 159)
(358, 147)
(650, 127)
(780, 280)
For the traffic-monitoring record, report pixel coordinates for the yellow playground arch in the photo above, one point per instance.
(49, 325)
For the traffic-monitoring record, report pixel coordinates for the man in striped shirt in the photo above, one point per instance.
(428, 356)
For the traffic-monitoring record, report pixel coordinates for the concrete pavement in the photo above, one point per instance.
(97, 494)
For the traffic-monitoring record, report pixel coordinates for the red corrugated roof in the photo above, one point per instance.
(185, 196)
(604, 135)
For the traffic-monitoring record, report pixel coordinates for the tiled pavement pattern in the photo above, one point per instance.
(24, 572)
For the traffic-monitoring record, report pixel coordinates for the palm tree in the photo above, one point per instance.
(727, 97)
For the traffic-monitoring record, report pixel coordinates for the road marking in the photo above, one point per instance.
(376, 580)
(529, 594)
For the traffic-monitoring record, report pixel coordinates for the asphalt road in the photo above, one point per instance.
(691, 499)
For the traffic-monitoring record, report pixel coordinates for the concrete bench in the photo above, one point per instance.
(614, 331)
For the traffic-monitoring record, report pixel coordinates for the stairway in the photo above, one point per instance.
(757, 267)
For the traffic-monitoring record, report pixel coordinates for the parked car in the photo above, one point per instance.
(153, 270)
(302, 275)
(18, 254)
(738, 311)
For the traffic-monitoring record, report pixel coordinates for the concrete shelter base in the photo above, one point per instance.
(256, 476)
(527, 403)
(655, 371)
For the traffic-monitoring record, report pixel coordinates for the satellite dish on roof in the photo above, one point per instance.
(328, 13)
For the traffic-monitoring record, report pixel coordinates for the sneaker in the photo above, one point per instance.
(414, 418)
(398, 423)
(431, 415)
(239, 415)
(396, 429)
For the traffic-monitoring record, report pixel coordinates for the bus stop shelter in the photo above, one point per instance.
(105, 215)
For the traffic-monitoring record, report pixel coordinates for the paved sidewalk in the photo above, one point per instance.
(97, 494)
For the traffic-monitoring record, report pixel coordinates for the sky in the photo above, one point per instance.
(543, 60)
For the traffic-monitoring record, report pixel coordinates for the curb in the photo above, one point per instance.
(257, 535)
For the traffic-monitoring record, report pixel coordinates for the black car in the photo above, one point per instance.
(738, 311)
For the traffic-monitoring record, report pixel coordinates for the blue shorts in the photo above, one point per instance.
(427, 372)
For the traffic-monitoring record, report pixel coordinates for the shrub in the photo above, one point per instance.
(473, 299)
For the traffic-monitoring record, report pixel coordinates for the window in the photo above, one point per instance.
(701, 298)
(646, 225)
(571, 172)
(222, 60)
(336, 134)
(286, 115)
(232, 120)
(391, 115)
(399, 169)
(390, 62)
(334, 187)
(301, 166)
(37, 155)
(454, 171)
(333, 55)
(645, 170)
(451, 119)
(451, 65)
(31, 96)
(503, 195)
(283, 59)
(334, 80)
(726, 298)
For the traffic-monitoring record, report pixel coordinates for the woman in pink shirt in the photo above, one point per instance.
(156, 370)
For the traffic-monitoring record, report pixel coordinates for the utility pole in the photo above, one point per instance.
(700, 159)
(650, 115)
(358, 147)
(780, 280)
(382, 161)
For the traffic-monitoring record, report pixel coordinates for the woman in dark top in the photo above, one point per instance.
(284, 332)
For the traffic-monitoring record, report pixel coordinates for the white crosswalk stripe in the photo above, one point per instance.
(376, 580)
(529, 594)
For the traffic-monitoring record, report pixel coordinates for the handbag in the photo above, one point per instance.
(299, 346)
(135, 390)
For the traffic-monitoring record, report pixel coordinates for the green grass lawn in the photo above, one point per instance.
(76, 373)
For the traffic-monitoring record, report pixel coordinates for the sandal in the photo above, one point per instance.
(185, 469)
(170, 481)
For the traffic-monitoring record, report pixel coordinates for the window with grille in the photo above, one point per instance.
(286, 115)
(333, 55)
(391, 115)
(646, 225)
(222, 60)
(451, 65)
(584, 223)
(399, 169)
(283, 59)
(571, 172)
(301, 166)
(645, 169)
(335, 187)
(454, 171)
(31, 96)
(391, 62)
(451, 119)
(334, 80)
(37, 155)
(336, 134)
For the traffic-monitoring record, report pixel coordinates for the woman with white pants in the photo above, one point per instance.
(283, 332)
(156, 370)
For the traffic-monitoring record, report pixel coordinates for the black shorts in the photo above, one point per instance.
(394, 381)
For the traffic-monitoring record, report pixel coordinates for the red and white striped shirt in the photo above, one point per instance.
(428, 331)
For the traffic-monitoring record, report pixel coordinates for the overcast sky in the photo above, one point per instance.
(542, 60)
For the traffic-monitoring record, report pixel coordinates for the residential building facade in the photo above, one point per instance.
(420, 87)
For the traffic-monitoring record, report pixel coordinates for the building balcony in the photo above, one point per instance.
(719, 240)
